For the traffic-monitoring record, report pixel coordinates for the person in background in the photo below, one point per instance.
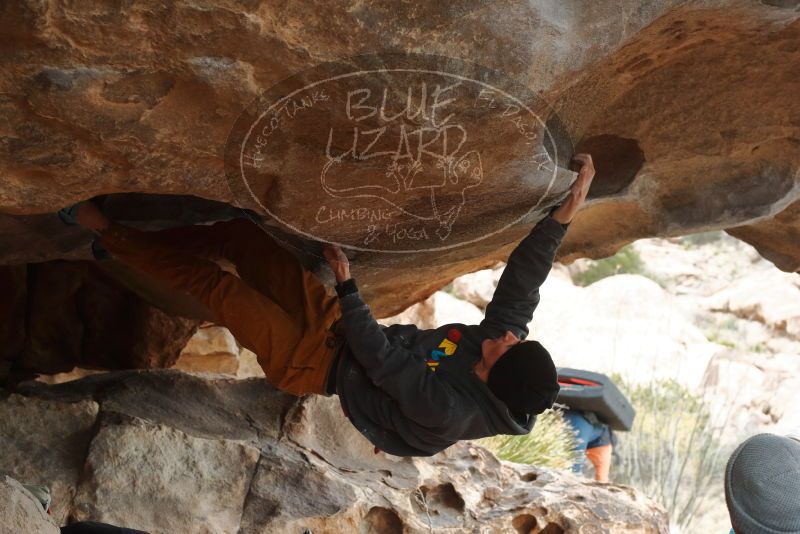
(593, 441)
(762, 485)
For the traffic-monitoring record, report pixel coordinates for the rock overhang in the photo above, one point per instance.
(690, 111)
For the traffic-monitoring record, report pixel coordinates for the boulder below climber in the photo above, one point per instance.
(165, 451)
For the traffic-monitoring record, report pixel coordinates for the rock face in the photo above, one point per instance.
(438, 309)
(690, 111)
(58, 315)
(478, 287)
(773, 300)
(45, 442)
(149, 107)
(171, 452)
(213, 349)
(755, 393)
(748, 309)
(193, 481)
(623, 324)
(210, 346)
(20, 510)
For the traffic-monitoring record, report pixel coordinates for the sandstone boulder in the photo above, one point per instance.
(478, 287)
(174, 452)
(21, 512)
(248, 365)
(770, 297)
(213, 349)
(625, 324)
(118, 112)
(665, 95)
(291, 494)
(45, 443)
(701, 264)
(750, 393)
(439, 309)
(158, 479)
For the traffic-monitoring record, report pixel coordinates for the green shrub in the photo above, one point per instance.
(625, 261)
(714, 337)
(550, 444)
(700, 238)
(673, 454)
(451, 290)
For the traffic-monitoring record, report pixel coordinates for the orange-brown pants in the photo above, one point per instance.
(274, 307)
(601, 460)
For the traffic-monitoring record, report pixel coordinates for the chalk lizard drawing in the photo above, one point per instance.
(456, 174)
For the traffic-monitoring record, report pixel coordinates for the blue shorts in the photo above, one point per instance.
(589, 435)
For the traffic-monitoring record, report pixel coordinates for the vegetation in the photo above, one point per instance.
(673, 454)
(550, 444)
(713, 337)
(724, 333)
(451, 290)
(625, 261)
(700, 239)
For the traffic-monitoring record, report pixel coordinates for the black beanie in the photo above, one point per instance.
(525, 379)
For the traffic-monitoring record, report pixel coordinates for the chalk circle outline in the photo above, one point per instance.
(382, 57)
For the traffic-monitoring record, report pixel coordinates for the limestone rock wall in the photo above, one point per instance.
(165, 451)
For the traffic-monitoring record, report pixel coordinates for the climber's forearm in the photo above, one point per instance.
(578, 191)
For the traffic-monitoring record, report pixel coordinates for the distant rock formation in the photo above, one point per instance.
(165, 451)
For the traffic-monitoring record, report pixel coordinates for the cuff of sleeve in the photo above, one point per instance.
(348, 287)
(550, 216)
(551, 226)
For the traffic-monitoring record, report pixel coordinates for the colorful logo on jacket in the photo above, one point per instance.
(446, 349)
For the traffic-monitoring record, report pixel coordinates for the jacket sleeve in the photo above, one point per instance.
(517, 292)
(421, 395)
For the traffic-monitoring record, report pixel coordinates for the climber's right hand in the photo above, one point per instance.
(339, 263)
(578, 190)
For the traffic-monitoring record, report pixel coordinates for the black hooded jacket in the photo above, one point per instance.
(413, 392)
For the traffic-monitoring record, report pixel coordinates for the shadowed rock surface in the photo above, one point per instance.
(58, 315)
(690, 109)
(165, 451)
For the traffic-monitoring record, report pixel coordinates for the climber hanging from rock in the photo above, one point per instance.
(411, 392)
